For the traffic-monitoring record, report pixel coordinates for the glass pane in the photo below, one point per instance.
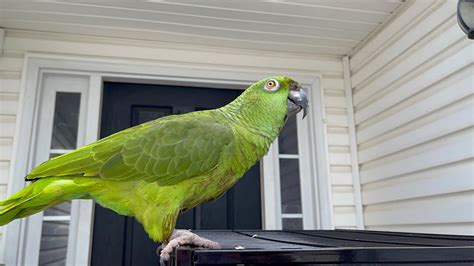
(55, 228)
(292, 223)
(288, 139)
(66, 120)
(290, 186)
(60, 209)
(54, 237)
(142, 114)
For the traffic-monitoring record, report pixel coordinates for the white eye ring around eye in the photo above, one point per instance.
(272, 85)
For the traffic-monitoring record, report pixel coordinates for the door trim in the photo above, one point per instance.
(143, 71)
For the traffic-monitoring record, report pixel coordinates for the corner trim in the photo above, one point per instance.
(353, 144)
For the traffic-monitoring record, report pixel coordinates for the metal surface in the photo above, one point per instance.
(328, 246)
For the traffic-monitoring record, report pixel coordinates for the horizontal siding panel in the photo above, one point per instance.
(447, 228)
(6, 146)
(11, 64)
(333, 83)
(336, 117)
(339, 156)
(430, 20)
(338, 136)
(412, 92)
(392, 31)
(7, 125)
(455, 147)
(3, 194)
(344, 217)
(443, 94)
(10, 85)
(10, 75)
(343, 196)
(403, 62)
(453, 85)
(450, 208)
(456, 117)
(433, 78)
(452, 178)
(335, 99)
(4, 172)
(341, 175)
(8, 103)
(91, 46)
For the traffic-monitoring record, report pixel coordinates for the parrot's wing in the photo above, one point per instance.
(166, 151)
(170, 152)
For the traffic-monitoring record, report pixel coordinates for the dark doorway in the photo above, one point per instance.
(120, 240)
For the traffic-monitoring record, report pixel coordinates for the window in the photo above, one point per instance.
(289, 179)
(52, 235)
(56, 220)
(290, 185)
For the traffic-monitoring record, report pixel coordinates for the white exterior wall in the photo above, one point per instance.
(17, 43)
(340, 170)
(413, 86)
(10, 79)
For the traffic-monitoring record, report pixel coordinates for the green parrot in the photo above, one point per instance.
(156, 170)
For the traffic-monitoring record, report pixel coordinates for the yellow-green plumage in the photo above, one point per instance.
(158, 169)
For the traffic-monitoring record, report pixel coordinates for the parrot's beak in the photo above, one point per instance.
(297, 100)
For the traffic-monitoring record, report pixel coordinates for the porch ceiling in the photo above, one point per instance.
(333, 27)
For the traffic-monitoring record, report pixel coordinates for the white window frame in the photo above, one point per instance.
(271, 176)
(313, 167)
(316, 198)
(42, 150)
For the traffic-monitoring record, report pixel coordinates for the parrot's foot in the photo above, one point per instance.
(183, 238)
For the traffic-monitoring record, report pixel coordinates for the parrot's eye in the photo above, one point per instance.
(272, 85)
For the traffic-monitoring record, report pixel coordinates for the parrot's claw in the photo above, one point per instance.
(185, 238)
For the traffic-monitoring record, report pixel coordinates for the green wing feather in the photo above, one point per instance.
(166, 150)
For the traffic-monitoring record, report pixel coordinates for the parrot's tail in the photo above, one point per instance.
(42, 194)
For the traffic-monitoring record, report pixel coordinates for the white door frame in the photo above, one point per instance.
(143, 71)
(41, 151)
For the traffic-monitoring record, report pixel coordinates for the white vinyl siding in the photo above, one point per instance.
(413, 86)
(340, 165)
(10, 79)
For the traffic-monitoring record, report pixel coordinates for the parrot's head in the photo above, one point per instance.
(266, 105)
(279, 91)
